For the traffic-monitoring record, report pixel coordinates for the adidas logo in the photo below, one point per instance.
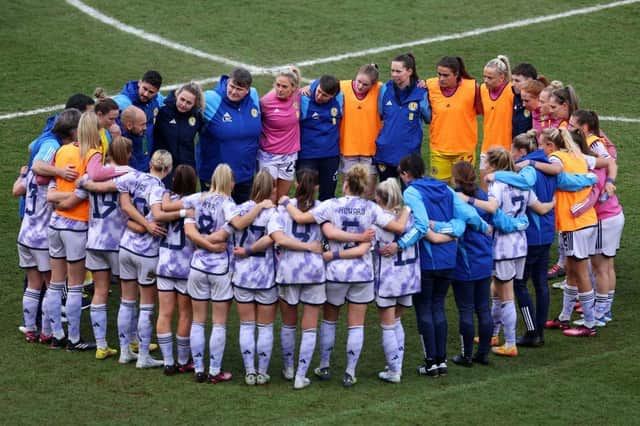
(247, 352)
(173, 121)
(303, 361)
(26, 311)
(262, 354)
(388, 103)
(121, 335)
(198, 355)
(96, 324)
(315, 116)
(352, 353)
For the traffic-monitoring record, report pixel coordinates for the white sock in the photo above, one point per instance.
(390, 347)
(165, 341)
(99, 324)
(496, 315)
(399, 329)
(145, 328)
(124, 322)
(248, 346)
(355, 340)
(30, 302)
(197, 346)
(287, 343)
(184, 349)
(307, 346)
(509, 319)
(327, 341)
(54, 308)
(586, 301)
(264, 346)
(74, 311)
(602, 301)
(45, 325)
(569, 295)
(217, 343)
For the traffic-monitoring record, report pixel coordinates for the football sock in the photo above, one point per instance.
(184, 349)
(390, 346)
(264, 346)
(287, 343)
(145, 328)
(399, 329)
(99, 324)
(610, 295)
(197, 345)
(73, 311)
(124, 322)
(496, 315)
(355, 339)
(54, 308)
(307, 346)
(165, 340)
(45, 328)
(327, 340)
(248, 345)
(601, 305)
(586, 301)
(133, 328)
(30, 302)
(509, 321)
(569, 295)
(217, 343)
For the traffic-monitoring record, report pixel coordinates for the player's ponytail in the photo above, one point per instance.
(356, 179)
(262, 187)
(306, 183)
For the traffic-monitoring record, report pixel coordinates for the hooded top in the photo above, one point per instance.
(230, 133)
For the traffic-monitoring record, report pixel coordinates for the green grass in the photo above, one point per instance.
(51, 50)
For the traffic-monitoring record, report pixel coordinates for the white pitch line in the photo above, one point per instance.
(272, 70)
(471, 33)
(154, 38)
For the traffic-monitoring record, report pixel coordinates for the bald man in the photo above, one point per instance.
(133, 124)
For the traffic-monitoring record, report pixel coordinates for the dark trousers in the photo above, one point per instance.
(327, 169)
(473, 296)
(430, 312)
(535, 267)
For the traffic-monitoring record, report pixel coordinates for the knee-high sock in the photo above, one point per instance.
(217, 342)
(496, 315)
(601, 305)
(74, 311)
(165, 340)
(569, 295)
(124, 322)
(54, 308)
(586, 301)
(307, 346)
(45, 323)
(184, 349)
(99, 324)
(30, 302)
(355, 339)
(248, 346)
(264, 347)
(509, 318)
(145, 327)
(288, 343)
(610, 297)
(390, 347)
(133, 330)
(327, 341)
(399, 330)
(197, 346)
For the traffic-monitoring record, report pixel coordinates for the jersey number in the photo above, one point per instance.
(108, 199)
(259, 232)
(519, 201)
(175, 238)
(350, 226)
(301, 232)
(30, 201)
(410, 255)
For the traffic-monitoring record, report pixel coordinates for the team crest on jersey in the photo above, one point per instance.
(155, 111)
(382, 167)
(295, 105)
(254, 112)
(226, 118)
(527, 113)
(192, 121)
(151, 276)
(413, 106)
(334, 112)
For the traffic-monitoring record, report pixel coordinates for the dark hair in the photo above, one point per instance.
(456, 65)
(412, 164)
(153, 78)
(590, 118)
(580, 139)
(307, 180)
(566, 95)
(526, 70)
(106, 105)
(79, 101)
(371, 71)
(184, 180)
(241, 77)
(66, 123)
(527, 141)
(329, 85)
(465, 176)
(409, 61)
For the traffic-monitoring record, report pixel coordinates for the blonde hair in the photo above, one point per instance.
(161, 160)
(562, 139)
(262, 187)
(527, 141)
(356, 179)
(88, 134)
(500, 159)
(502, 65)
(292, 73)
(389, 194)
(222, 180)
(120, 150)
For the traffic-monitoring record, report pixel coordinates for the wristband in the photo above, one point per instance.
(532, 163)
(610, 180)
(335, 254)
(183, 212)
(285, 203)
(471, 200)
(248, 251)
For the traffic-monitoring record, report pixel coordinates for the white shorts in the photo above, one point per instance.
(202, 286)
(308, 294)
(389, 302)
(506, 270)
(579, 244)
(172, 284)
(348, 161)
(66, 244)
(137, 268)
(33, 258)
(338, 293)
(98, 260)
(608, 235)
(261, 297)
(280, 166)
